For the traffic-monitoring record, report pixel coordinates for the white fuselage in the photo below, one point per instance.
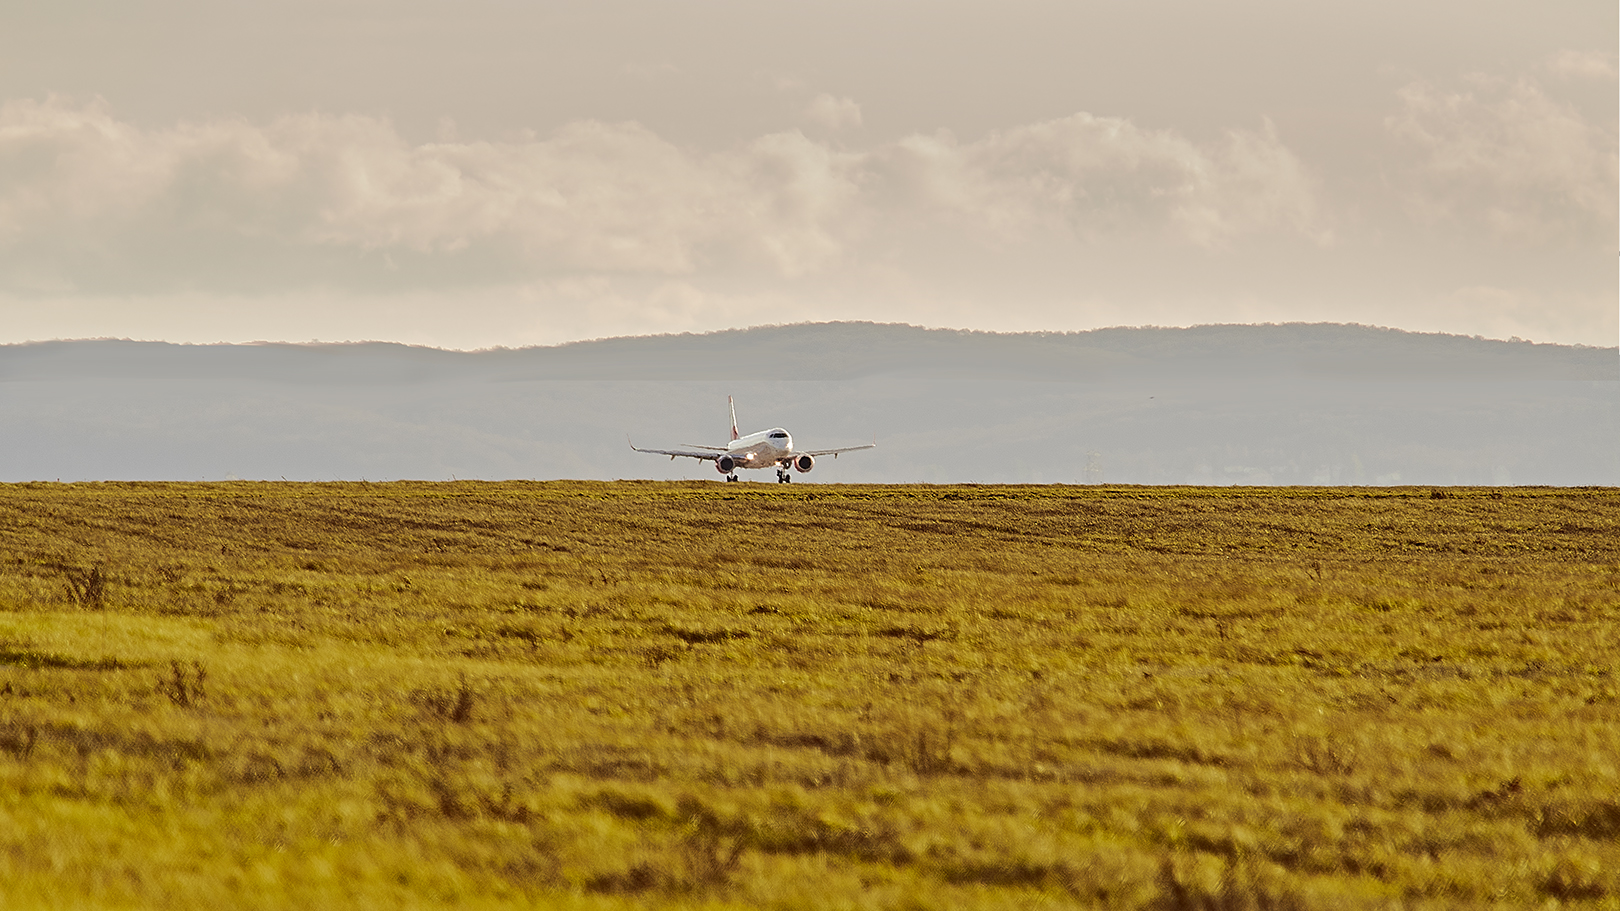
(762, 449)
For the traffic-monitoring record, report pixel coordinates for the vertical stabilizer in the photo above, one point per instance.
(733, 406)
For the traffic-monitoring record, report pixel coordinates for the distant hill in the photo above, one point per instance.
(1272, 404)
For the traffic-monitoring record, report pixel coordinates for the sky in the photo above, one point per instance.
(498, 173)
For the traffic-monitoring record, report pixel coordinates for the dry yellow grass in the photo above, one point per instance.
(704, 695)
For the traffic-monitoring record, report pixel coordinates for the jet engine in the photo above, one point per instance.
(725, 464)
(804, 463)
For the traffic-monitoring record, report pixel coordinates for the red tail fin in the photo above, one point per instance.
(733, 406)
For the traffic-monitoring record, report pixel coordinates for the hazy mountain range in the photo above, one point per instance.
(1271, 404)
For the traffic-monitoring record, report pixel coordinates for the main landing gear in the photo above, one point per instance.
(731, 477)
(783, 476)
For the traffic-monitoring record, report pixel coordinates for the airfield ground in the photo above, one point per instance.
(593, 695)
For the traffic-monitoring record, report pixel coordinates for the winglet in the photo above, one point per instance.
(733, 406)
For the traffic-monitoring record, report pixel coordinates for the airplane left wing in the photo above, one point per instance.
(706, 454)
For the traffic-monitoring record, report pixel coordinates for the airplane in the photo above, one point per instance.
(764, 449)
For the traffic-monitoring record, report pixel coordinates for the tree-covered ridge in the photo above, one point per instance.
(853, 350)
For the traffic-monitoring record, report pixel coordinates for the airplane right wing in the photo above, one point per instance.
(834, 452)
(705, 453)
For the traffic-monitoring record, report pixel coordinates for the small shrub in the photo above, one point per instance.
(1575, 879)
(184, 685)
(654, 655)
(1595, 819)
(18, 738)
(1325, 756)
(925, 750)
(88, 587)
(710, 848)
(454, 706)
(638, 877)
(638, 806)
(1242, 885)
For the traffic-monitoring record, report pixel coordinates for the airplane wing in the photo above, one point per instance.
(705, 453)
(834, 452)
(701, 446)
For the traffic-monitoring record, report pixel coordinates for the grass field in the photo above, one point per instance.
(592, 695)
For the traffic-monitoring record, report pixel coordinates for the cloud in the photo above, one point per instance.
(90, 202)
(1506, 155)
(76, 184)
(832, 113)
(1572, 64)
(1105, 175)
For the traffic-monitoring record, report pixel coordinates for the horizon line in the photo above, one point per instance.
(312, 343)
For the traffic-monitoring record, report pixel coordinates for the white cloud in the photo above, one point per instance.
(1572, 64)
(1104, 175)
(833, 113)
(77, 183)
(91, 202)
(1506, 155)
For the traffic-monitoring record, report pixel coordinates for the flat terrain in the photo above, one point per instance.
(594, 695)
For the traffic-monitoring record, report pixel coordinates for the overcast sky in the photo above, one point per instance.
(475, 173)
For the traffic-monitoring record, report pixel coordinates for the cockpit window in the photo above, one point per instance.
(778, 436)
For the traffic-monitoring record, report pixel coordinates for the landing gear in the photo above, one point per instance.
(730, 478)
(783, 476)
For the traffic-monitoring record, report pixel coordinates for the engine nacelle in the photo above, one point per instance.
(725, 464)
(804, 463)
